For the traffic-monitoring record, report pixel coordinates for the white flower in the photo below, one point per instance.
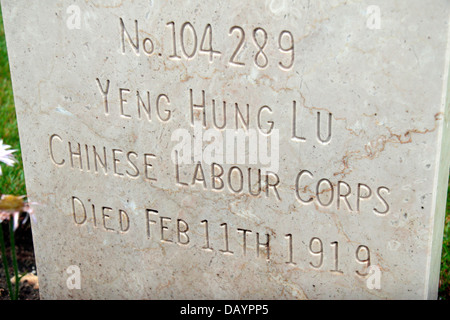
(6, 155)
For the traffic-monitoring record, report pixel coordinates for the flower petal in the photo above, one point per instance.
(15, 220)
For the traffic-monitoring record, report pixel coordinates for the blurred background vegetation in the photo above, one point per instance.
(12, 181)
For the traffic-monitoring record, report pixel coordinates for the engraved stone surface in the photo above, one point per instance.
(233, 149)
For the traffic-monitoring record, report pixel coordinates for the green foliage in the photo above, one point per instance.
(12, 181)
(444, 286)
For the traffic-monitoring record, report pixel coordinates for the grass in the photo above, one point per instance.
(12, 181)
(444, 286)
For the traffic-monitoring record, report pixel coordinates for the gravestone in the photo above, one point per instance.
(233, 150)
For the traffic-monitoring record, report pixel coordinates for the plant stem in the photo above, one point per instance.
(14, 258)
(5, 262)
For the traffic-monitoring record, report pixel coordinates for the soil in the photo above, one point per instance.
(25, 261)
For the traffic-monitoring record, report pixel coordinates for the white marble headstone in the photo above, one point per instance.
(233, 149)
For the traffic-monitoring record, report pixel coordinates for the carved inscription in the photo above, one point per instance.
(170, 230)
(99, 159)
(220, 115)
(226, 123)
(189, 41)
